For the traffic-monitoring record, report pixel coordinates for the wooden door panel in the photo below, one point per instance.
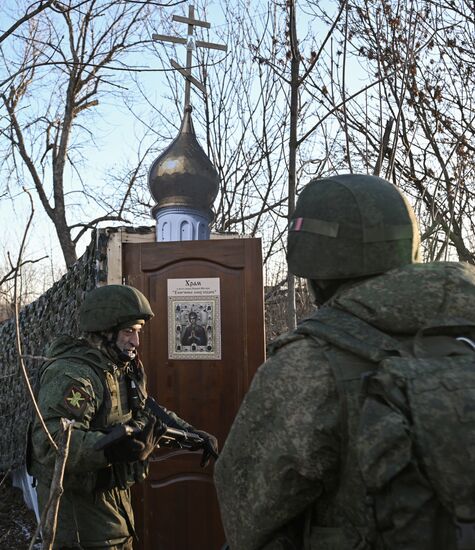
(176, 508)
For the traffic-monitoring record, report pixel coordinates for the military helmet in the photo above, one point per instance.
(113, 307)
(349, 226)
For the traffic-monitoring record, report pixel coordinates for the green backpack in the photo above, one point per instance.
(416, 432)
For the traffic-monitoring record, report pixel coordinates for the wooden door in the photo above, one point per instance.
(176, 508)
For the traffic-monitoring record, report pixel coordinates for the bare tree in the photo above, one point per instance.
(70, 57)
(29, 12)
(294, 72)
(415, 124)
(302, 92)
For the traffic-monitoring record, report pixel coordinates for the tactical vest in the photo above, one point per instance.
(114, 409)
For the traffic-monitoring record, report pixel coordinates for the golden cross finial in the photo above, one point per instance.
(191, 44)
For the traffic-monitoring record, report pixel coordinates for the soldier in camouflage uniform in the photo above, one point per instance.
(98, 382)
(288, 475)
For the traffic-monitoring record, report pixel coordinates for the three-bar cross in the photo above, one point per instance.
(190, 46)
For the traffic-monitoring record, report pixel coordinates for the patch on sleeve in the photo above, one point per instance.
(75, 400)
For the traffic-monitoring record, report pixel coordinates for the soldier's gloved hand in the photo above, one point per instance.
(137, 446)
(210, 447)
(128, 449)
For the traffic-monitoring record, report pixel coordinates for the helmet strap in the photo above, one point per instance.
(110, 341)
(121, 355)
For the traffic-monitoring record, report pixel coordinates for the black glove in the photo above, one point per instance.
(210, 447)
(127, 449)
(137, 446)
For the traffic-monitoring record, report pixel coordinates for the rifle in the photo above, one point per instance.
(185, 439)
(171, 437)
(160, 412)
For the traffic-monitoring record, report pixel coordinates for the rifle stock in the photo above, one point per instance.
(121, 431)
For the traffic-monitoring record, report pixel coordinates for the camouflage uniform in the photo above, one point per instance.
(287, 476)
(89, 384)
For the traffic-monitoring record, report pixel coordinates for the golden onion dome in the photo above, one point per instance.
(183, 175)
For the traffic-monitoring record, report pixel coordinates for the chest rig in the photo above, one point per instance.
(123, 393)
(123, 388)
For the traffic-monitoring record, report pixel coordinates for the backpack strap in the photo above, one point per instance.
(354, 353)
(350, 373)
(356, 350)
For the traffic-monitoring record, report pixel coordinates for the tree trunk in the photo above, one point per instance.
(67, 245)
(294, 98)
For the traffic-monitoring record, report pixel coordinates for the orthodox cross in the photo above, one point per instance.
(191, 44)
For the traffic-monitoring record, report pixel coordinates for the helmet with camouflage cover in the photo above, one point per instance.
(351, 226)
(113, 307)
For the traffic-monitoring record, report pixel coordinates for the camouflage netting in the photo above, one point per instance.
(53, 313)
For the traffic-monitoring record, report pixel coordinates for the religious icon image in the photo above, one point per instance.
(194, 319)
(194, 333)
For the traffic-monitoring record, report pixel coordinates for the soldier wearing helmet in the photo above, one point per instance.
(99, 382)
(288, 474)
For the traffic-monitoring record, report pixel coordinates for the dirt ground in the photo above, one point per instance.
(17, 522)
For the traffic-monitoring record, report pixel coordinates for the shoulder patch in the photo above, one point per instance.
(75, 400)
